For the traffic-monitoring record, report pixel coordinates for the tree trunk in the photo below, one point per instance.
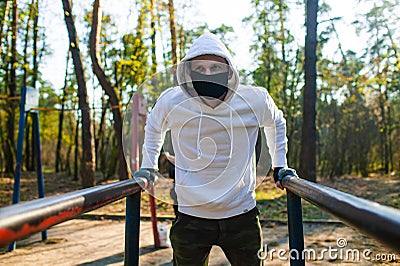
(106, 85)
(309, 136)
(3, 22)
(88, 158)
(153, 39)
(26, 42)
(67, 167)
(2, 155)
(284, 64)
(384, 126)
(29, 151)
(61, 118)
(172, 28)
(100, 132)
(10, 140)
(181, 42)
(390, 148)
(76, 150)
(35, 67)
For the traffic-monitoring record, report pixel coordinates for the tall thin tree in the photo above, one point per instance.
(153, 37)
(3, 22)
(12, 91)
(309, 134)
(106, 85)
(88, 157)
(35, 61)
(26, 43)
(172, 28)
(61, 117)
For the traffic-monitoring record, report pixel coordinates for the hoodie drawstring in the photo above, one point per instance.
(198, 134)
(231, 122)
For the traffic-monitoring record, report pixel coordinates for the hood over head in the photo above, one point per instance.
(206, 44)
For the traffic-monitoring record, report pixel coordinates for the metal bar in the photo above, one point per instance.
(132, 230)
(132, 226)
(139, 110)
(153, 215)
(151, 192)
(18, 163)
(295, 226)
(377, 221)
(40, 179)
(24, 219)
(20, 144)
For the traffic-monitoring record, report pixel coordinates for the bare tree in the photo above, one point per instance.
(3, 21)
(88, 158)
(172, 27)
(26, 43)
(61, 117)
(309, 134)
(153, 38)
(35, 67)
(106, 85)
(12, 92)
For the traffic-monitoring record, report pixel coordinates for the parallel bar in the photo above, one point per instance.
(295, 225)
(24, 219)
(153, 215)
(379, 222)
(132, 230)
(18, 163)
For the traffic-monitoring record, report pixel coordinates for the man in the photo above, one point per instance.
(214, 123)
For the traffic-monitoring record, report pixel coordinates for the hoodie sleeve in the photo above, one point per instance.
(155, 129)
(275, 131)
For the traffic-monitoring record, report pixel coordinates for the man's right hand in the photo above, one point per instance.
(150, 174)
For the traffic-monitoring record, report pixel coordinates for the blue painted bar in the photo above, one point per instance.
(18, 163)
(295, 226)
(20, 144)
(370, 218)
(132, 230)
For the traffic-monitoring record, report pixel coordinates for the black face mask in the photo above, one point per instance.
(214, 85)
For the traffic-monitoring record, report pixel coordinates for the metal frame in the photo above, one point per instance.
(375, 220)
(139, 110)
(22, 220)
(25, 110)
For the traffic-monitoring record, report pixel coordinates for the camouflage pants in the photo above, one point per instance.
(240, 237)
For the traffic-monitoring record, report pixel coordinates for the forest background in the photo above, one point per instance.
(105, 61)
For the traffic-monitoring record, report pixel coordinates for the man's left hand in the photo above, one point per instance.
(279, 185)
(280, 173)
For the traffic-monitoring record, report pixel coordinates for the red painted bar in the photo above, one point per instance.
(24, 219)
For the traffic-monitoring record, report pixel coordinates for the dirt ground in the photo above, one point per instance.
(89, 241)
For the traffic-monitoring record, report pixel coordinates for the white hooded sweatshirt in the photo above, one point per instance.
(215, 167)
